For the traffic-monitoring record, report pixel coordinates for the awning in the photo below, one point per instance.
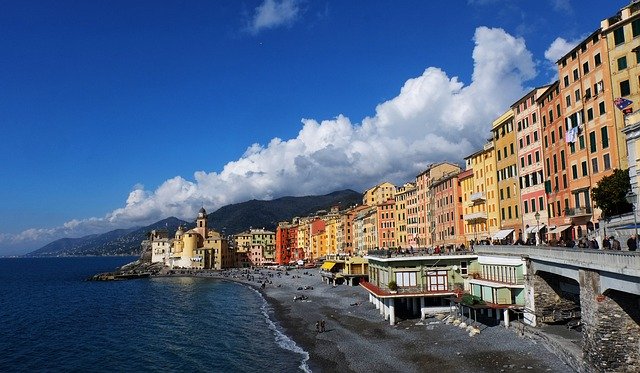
(560, 229)
(533, 229)
(501, 234)
(326, 266)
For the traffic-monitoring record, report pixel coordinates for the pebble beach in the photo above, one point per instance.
(358, 339)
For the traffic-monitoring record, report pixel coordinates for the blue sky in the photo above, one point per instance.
(120, 113)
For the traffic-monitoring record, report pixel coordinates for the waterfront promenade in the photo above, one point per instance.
(357, 339)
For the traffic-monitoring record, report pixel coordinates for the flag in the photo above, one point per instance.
(622, 103)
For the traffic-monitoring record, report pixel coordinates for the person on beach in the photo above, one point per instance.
(322, 326)
(317, 326)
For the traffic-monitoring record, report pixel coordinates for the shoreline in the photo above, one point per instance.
(357, 338)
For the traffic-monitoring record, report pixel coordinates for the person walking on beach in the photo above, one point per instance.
(317, 326)
(322, 326)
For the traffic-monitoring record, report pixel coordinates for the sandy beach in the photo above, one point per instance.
(358, 339)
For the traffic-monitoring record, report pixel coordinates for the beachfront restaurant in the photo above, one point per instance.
(344, 269)
(498, 285)
(414, 285)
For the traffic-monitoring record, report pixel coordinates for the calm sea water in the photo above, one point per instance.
(53, 320)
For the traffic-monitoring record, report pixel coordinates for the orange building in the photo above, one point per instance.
(386, 224)
(287, 250)
(593, 137)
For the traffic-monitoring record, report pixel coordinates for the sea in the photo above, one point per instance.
(52, 319)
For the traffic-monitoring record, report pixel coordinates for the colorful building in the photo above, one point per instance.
(533, 204)
(504, 138)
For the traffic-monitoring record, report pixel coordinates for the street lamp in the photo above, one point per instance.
(631, 198)
(537, 216)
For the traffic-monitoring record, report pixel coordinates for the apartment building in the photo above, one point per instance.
(504, 138)
(533, 199)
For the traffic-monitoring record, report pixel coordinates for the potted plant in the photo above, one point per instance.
(393, 286)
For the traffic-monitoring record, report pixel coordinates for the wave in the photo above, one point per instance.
(282, 340)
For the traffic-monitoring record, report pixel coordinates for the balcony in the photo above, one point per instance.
(478, 197)
(578, 212)
(476, 217)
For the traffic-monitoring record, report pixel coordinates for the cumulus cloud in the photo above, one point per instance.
(274, 13)
(559, 48)
(434, 117)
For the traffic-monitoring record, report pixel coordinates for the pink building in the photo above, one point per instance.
(533, 199)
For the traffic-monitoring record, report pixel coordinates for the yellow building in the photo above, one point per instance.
(200, 247)
(504, 139)
(622, 34)
(379, 194)
(480, 199)
(403, 195)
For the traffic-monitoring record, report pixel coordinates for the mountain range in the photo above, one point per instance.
(230, 219)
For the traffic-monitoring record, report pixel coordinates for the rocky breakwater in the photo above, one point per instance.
(133, 270)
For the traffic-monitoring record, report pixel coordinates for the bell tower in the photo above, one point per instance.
(201, 223)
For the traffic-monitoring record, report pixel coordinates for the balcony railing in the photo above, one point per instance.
(477, 197)
(476, 216)
(577, 211)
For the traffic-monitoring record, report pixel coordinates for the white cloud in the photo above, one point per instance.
(274, 13)
(559, 48)
(434, 117)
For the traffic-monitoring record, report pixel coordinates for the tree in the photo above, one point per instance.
(609, 195)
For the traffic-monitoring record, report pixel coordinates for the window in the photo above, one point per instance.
(602, 108)
(540, 204)
(521, 144)
(526, 206)
(576, 75)
(637, 53)
(622, 63)
(574, 171)
(625, 90)
(529, 159)
(533, 205)
(635, 27)
(534, 117)
(464, 268)
(592, 141)
(587, 93)
(509, 210)
(597, 59)
(558, 110)
(568, 98)
(511, 146)
(553, 137)
(404, 279)
(607, 162)
(594, 165)
(590, 114)
(562, 162)
(535, 136)
(566, 81)
(528, 140)
(537, 157)
(605, 137)
(555, 164)
(564, 181)
(577, 93)
(618, 35)
(522, 162)
(581, 140)
(585, 68)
